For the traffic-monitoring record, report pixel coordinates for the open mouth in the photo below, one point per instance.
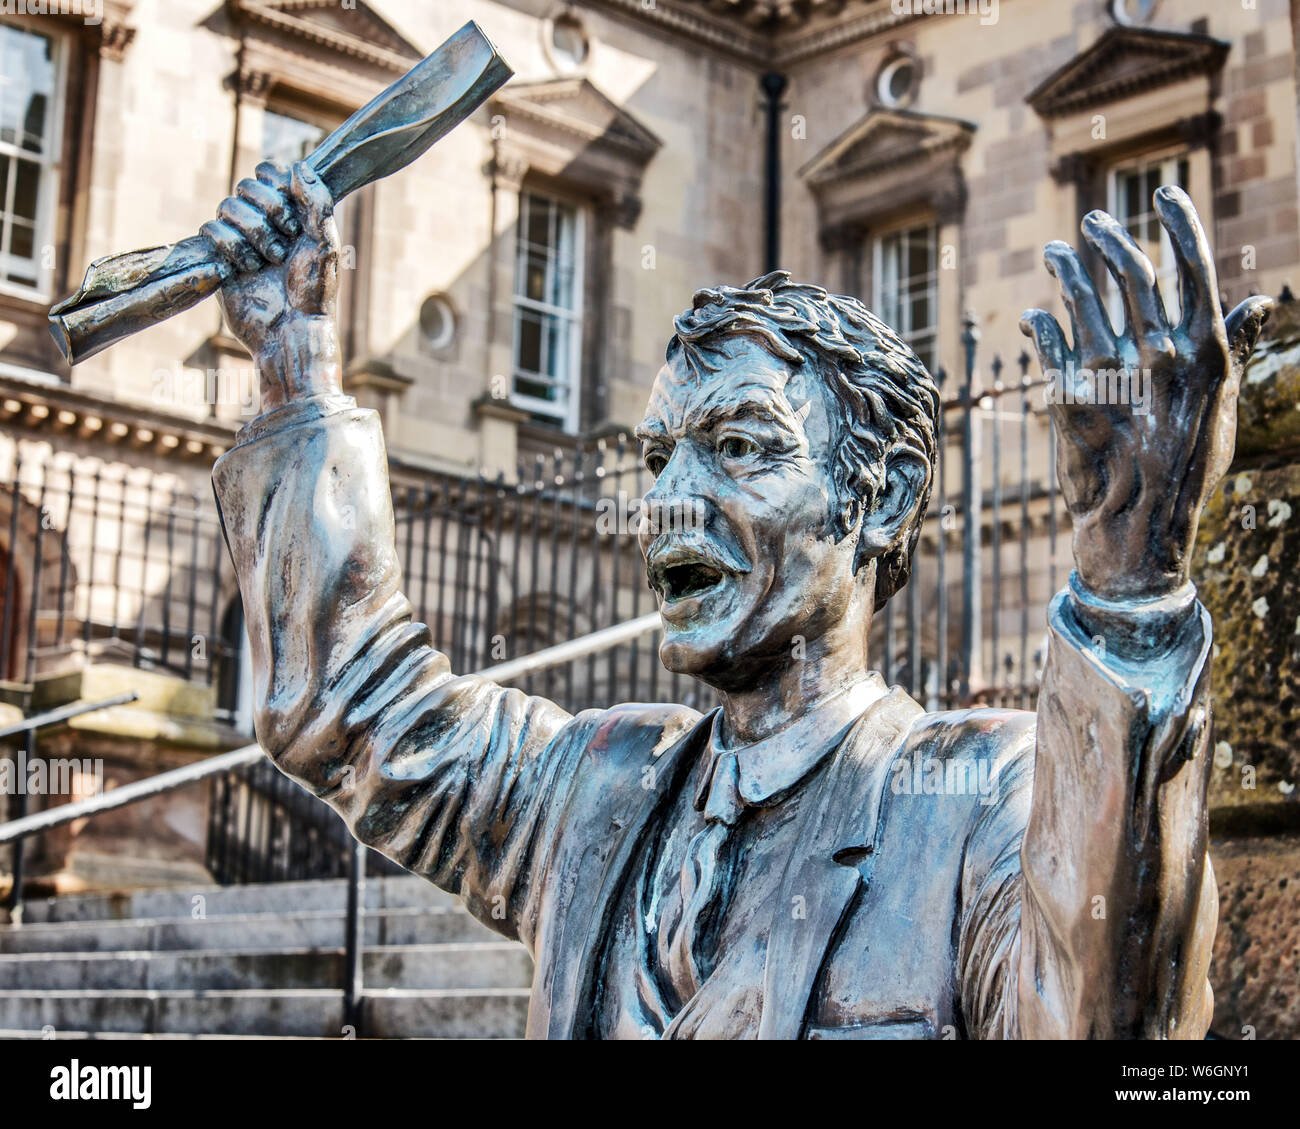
(680, 573)
(684, 580)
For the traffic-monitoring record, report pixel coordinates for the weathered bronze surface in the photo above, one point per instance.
(122, 294)
(820, 857)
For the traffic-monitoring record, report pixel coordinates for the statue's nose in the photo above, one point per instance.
(680, 493)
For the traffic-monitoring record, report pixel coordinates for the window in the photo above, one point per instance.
(30, 78)
(896, 83)
(906, 274)
(1130, 12)
(568, 45)
(548, 312)
(288, 139)
(437, 322)
(1131, 189)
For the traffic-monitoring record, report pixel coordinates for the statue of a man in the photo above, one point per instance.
(766, 870)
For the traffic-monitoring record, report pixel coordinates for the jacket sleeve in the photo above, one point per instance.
(1105, 927)
(455, 778)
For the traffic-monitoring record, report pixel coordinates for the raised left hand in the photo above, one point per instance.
(1135, 474)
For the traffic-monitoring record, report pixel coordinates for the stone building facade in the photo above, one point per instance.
(506, 300)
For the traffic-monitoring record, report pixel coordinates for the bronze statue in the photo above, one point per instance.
(819, 857)
(780, 867)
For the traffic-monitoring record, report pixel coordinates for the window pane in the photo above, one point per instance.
(547, 303)
(529, 358)
(22, 240)
(288, 139)
(26, 189)
(906, 296)
(535, 277)
(538, 230)
(27, 85)
(28, 88)
(1133, 190)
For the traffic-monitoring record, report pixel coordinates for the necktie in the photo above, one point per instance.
(702, 878)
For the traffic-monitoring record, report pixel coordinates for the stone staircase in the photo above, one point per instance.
(257, 961)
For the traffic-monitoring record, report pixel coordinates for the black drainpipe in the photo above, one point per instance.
(773, 86)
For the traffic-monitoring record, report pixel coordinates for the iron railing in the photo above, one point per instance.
(224, 767)
(105, 561)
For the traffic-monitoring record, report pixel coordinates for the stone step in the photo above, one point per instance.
(475, 964)
(309, 1012)
(314, 929)
(397, 892)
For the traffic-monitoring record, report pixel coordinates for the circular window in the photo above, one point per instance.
(568, 43)
(1131, 11)
(896, 82)
(437, 322)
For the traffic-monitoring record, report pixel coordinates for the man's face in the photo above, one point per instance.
(742, 558)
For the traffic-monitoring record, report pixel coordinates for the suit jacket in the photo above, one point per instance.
(1072, 898)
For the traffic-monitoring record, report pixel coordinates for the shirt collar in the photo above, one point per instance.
(777, 763)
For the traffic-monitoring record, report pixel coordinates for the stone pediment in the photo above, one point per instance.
(883, 140)
(354, 29)
(1126, 61)
(890, 160)
(567, 129)
(575, 107)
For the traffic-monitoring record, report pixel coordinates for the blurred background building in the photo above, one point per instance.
(505, 304)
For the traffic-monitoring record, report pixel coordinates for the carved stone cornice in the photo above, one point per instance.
(254, 85)
(889, 161)
(1199, 130)
(770, 34)
(507, 169)
(356, 29)
(317, 48)
(115, 33)
(885, 138)
(57, 409)
(568, 129)
(111, 35)
(1126, 61)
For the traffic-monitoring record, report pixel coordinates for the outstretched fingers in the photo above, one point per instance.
(1198, 284)
(1049, 342)
(1094, 340)
(1135, 277)
(1243, 326)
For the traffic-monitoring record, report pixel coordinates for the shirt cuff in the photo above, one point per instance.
(1134, 628)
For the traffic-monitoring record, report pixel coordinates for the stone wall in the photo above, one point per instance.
(1248, 573)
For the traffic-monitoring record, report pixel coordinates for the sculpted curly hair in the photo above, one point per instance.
(886, 397)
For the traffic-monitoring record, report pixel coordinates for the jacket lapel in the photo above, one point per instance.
(561, 1006)
(820, 882)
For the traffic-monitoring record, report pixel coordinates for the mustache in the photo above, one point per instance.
(686, 546)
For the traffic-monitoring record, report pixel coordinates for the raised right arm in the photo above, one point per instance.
(455, 778)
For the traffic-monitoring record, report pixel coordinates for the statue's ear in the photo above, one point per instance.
(897, 505)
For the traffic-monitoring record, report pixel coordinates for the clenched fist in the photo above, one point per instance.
(278, 232)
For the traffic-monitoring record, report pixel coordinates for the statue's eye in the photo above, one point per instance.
(655, 462)
(737, 447)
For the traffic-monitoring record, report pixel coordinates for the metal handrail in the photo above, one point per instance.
(64, 713)
(511, 669)
(354, 936)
